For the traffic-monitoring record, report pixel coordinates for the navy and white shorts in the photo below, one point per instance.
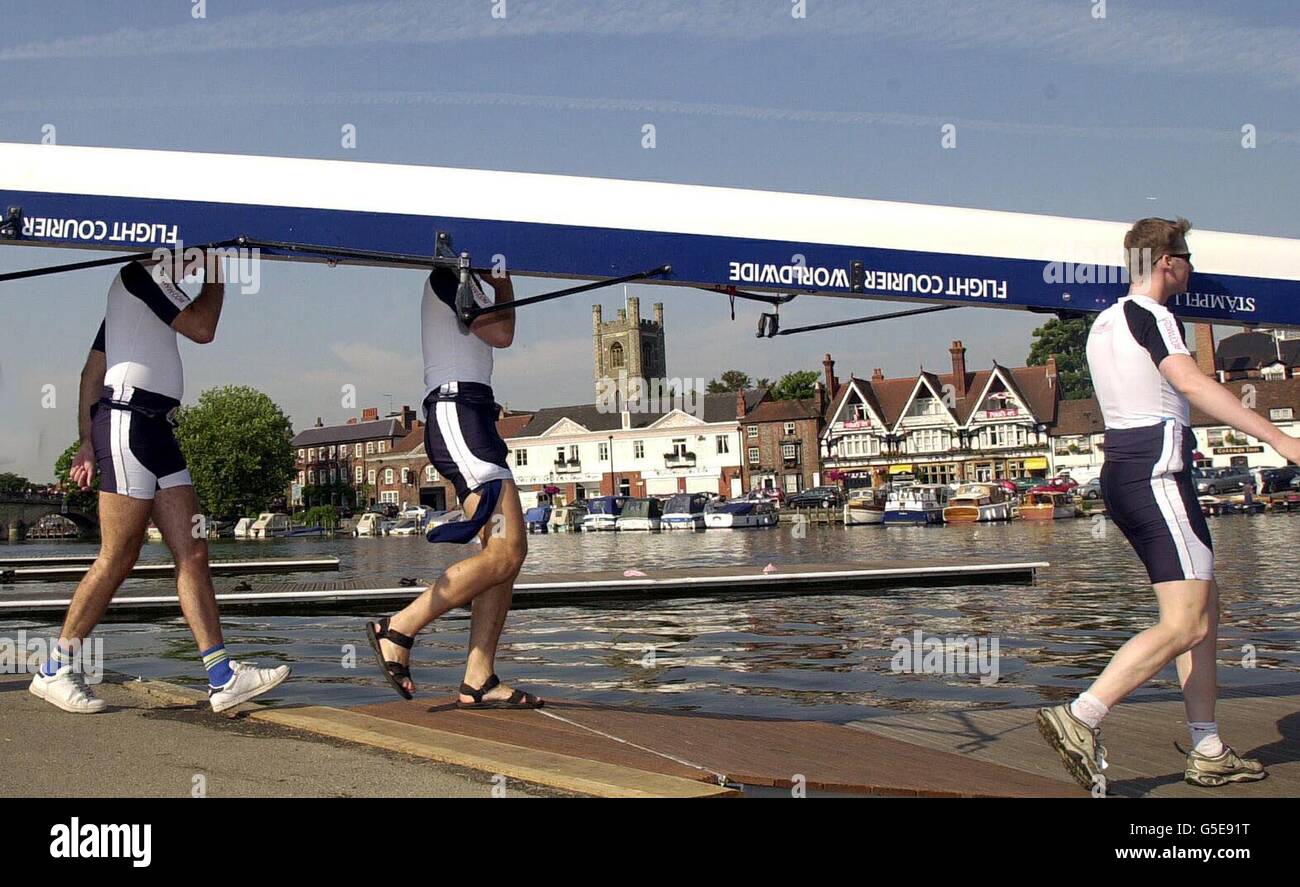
(135, 445)
(461, 438)
(1146, 482)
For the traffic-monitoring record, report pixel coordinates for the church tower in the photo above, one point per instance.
(628, 348)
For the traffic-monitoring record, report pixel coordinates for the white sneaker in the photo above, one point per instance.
(67, 689)
(248, 682)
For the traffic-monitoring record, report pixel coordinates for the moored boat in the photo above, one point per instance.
(866, 507)
(740, 513)
(538, 518)
(603, 512)
(1047, 503)
(640, 514)
(685, 511)
(978, 502)
(567, 518)
(918, 504)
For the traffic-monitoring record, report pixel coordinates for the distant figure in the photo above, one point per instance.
(131, 385)
(461, 440)
(1146, 382)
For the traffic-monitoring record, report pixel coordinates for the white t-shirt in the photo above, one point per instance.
(137, 339)
(451, 352)
(1125, 347)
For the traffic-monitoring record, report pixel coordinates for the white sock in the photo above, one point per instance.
(1089, 709)
(1205, 738)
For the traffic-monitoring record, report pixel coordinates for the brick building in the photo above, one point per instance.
(336, 463)
(780, 439)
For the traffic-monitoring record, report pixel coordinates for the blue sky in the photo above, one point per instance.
(1057, 112)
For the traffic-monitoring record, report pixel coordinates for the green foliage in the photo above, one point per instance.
(731, 380)
(13, 484)
(236, 442)
(326, 516)
(796, 385)
(1068, 340)
(340, 492)
(85, 502)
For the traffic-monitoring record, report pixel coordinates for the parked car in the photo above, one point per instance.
(1062, 482)
(1025, 484)
(1276, 480)
(817, 497)
(1217, 481)
(1090, 490)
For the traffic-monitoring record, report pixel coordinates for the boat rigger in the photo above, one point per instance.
(723, 239)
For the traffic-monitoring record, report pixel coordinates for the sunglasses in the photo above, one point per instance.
(1186, 257)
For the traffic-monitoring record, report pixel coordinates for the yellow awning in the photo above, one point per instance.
(900, 469)
(1035, 463)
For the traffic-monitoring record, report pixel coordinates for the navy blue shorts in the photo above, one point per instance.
(1146, 482)
(136, 449)
(460, 436)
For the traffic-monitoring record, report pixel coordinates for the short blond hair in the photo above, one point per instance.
(1154, 238)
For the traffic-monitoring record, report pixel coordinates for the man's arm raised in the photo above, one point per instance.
(1209, 396)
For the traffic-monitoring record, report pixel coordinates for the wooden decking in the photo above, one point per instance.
(749, 752)
(63, 569)
(1139, 736)
(269, 598)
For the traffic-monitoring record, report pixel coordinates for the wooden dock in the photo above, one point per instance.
(658, 752)
(65, 569)
(547, 589)
(1139, 735)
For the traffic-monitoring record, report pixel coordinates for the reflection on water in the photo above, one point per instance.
(824, 657)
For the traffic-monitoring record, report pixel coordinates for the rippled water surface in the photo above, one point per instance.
(818, 657)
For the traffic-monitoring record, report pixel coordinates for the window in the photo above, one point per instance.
(791, 483)
(302, 478)
(334, 475)
(790, 452)
(926, 405)
(429, 474)
(941, 473)
(723, 443)
(753, 455)
(679, 446)
(1281, 414)
(388, 497)
(521, 458)
(311, 455)
(1274, 373)
(751, 431)
(370, 448)
(388, 475)
(331, 452)
(358, 451)
(789, 428)
(852, 445)
(311, 478)
(638, 449)
(406, 476)
(370, 477)
(929, 440)
(361, 474)
(302, 454)
(859, 412)
(1215, 436)
(383, 446)
(604, 452)
(616, 355)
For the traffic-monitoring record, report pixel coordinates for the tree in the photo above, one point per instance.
(732, 380)
(796, 385)
(237, 444)
(13, 484)
(84, 501)
(1068, 340)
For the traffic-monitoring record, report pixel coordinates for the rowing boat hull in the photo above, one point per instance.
(584, 228)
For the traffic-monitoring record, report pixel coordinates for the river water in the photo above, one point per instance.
(829, 657)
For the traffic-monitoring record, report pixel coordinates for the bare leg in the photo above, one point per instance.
(122, 523)
(487, 619)
(505, 545)
(173, 512)
(1188, 611)
(1198, 668)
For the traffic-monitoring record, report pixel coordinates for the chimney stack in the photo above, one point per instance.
(740, 404)
(1051, 371)
(958, 352)
(819, 398)
(828, 370)
(319, 423)
(877, 375)
(1205, 357)
(370, 414)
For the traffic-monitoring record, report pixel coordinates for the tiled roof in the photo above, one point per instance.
(1250, 351)
(717, 408)
(889, 397)
(1078, 417)
(362, 431)
(1268, 395)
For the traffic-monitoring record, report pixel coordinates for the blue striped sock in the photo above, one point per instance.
(217, 662)
(59, 657)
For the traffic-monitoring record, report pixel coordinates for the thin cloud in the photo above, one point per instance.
(1189, 41)
(574, 104)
